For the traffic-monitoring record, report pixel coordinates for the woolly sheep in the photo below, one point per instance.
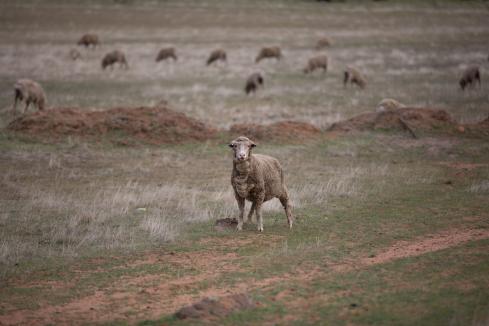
(88, 40)
(113, 57)
(167, 53)
(75, 54)
(271, 52)
(31, 92)
(217, 55)
(470, 76)
(355, 77)
(319, 62)
(253, 82)
(389, 104)
(323, 43)
(257, 178)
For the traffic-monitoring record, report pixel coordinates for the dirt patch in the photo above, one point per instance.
(154, 125)
(209, 308)
(481, 128)
(285, 131)
(406, 119)
(226, 224)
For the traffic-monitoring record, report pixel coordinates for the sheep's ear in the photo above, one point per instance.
(231, 145)
(253, 145)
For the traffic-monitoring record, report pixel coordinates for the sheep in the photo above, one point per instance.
(88, 40)
(271, 52)
(75, 54)
(113, 57)
(323, 43)
(257, 178)
(317, 63)
(253, 82)
(389, 104)
(355, 77)
(470, 76)
(167, 53)
(217, 55)
(31, 92)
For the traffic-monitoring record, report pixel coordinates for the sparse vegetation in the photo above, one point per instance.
(118, 227)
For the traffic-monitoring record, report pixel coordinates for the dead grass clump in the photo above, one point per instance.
(156, 125)
(284, 131)
(210, 308)
(402, 119)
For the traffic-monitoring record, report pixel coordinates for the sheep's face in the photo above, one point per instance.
(242, 147)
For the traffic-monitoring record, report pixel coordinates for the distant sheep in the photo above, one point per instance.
(31, 92)
(75, 54)
(89, 40)
(319, 62)
(389, 104)
(470, 76)
(271, 52)
(355, 77)
(253, 82)
(167, 53)
(257, 178)
(217, 55)
(113, 57)
(323, 43)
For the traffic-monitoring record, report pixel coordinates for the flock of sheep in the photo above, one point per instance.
(256, 178)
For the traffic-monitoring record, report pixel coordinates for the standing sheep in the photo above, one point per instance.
(323, 43)
(319, 62)
(271, 52)
(217, 55)
(31, 92)
(88, 40)
(257, 178)
(114, 57)
(253, 82)
(470, 76)
(167, 53)
(355, 77)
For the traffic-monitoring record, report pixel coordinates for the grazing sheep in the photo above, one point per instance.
(323, 43)
(319, 62)
(355, 77)
(253, 82)
(389, 104)
(167, 53)
(470, 76)
(31, 92)
(272, 52)
(113, 57)
(257, 178)
(217, 55)
(88, 40)
(75, 54)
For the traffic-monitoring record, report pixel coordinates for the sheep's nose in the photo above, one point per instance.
(241, 156)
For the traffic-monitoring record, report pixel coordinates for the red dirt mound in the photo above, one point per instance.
(481, 128)
(401, 119)
(287, 131)
(209, 308)
(155, 125)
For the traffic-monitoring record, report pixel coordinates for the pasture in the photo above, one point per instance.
(110, 228)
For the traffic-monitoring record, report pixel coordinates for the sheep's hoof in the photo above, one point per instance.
(239, 227)
(260, 229)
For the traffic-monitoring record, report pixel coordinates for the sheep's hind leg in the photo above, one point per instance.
(259, 217)
(288, 211)
(250, 214)
(241, 206)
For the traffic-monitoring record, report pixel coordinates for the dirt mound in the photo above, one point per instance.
(226, 224)
(287, 131)
(410, 119)
(155, 125)
(481, 128)
(209, 308)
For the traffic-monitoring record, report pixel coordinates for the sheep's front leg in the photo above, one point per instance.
(241, 206)
(27, 103)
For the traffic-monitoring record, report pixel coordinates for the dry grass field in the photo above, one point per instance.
(112, 230)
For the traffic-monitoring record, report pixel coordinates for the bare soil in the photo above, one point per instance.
(154, 125)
